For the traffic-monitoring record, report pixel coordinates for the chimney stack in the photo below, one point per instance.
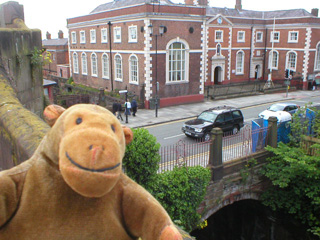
(315, 12)
(203, 2)
(48, 35)
(60, 34)
(188, 2)
(238, 5)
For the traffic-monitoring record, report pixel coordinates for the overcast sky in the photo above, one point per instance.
(51, 15)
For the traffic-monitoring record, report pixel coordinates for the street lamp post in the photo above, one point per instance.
(161, 32)
(110, 58)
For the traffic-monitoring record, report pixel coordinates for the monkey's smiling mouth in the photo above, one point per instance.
(89, 169)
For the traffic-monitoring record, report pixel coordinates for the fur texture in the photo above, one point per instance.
(73, 186)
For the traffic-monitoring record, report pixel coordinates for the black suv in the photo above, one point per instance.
(225, 117)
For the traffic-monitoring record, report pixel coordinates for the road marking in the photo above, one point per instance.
(179, 135)
(166, 123)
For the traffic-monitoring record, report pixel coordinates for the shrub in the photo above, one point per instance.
(141, 160)
(180, 192)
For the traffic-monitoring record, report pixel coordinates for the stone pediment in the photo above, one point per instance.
(219, 20)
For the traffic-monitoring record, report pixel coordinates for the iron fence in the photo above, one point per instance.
(240, 145)
(243, 144)
(182, 153)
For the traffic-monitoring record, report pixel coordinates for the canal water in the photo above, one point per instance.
(250, 220)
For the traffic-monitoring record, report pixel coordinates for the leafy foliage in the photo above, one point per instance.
(179, 191)
(302, 126)
(40, 57)
(295, 177)
(142, 158)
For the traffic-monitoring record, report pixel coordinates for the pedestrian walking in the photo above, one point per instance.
(134, 107)
(314, 85)
(127, 109)
(116, 110)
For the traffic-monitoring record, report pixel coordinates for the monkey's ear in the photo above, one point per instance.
(128, 134)
(51, 113)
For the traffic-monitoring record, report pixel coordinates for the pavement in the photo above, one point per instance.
(146, 117)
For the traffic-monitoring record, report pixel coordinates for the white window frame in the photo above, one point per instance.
(290, 40)
(261, 34)
(104, 35)
(117, 34)
(288, 59)
(317, 58)
(215, 36)
(241, 39)
(241, 71)
(133, 78)
(271, 60)
(169, 64)
(272, 36)
(93, 36)
(84, 64)
(94, 65)
(130, 29)
(118, 71)
(82, 37)
(75, 62)
(73, 37)
(105, 65)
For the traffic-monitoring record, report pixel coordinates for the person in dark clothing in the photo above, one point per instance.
(314, 85)
(116, 110)
(134, 107)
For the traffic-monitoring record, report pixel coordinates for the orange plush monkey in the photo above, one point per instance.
(73, 186)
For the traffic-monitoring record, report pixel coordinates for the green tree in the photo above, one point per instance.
(295, 176)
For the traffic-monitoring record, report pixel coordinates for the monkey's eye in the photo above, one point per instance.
(79, 120)
(113, 128)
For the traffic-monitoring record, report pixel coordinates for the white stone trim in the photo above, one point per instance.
(229, 54)
(306, 55)
(147, 60)
(204, 56)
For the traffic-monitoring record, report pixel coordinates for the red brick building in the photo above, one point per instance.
(184, 47)
(58, 49)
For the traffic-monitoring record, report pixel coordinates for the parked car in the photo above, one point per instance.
(282, 116)
(287, 107)
(225, 117)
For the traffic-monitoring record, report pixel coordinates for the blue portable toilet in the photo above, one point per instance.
(284, 120)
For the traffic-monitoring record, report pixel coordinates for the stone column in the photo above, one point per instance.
(273, 132)
(215, 154)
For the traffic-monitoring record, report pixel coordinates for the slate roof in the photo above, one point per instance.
(211, 11)
(55, 42)
(125, 3)
(231, 12)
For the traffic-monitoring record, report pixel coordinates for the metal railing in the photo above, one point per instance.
(182, 153)
(240, 145)
(243, 144)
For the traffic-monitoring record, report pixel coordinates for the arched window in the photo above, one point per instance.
(105, 66)
(118, 67)
(240, 62)
(291, 61)
(94, 66)
(133, 66)
(273, 59)
(84, 63)
(177, 62)
(317, 62)
(75, 63)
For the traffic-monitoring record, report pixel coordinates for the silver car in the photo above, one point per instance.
(287, 107)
